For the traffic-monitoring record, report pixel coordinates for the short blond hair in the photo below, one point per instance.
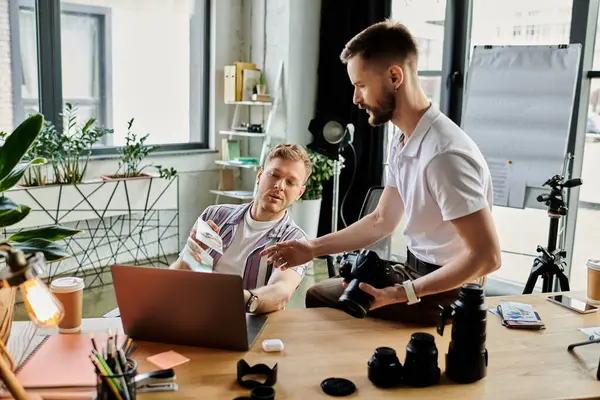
(291, 152)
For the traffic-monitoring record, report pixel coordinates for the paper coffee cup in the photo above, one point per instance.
(69, 291)
(593, 281)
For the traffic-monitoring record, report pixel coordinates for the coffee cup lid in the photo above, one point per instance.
(594, 264)
(67, 284)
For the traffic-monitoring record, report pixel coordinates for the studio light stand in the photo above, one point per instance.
(551, 260)
(330, 140)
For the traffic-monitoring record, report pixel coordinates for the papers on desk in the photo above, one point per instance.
(518, 315)
(592, 333)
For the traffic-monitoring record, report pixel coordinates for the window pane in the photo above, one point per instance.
(27, 64)
(432, 87)
(596, 62)
(425, 20)
(6, 72)
(509, 22)
(512, 22)
(124, 60)
(588, 215)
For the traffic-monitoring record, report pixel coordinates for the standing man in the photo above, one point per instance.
(437, 179)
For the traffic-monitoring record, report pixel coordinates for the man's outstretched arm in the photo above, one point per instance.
(364, 232)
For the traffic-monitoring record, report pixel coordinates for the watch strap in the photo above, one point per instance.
(252, 298)
(409, 289)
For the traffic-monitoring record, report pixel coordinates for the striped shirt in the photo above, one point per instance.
(228, 217)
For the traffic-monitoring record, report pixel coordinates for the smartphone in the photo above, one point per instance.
(573, 304)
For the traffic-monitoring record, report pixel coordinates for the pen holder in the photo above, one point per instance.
(118, 386)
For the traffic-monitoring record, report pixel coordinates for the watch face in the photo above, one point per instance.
(253, 304)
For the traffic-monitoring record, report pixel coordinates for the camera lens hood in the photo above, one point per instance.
(243, 369)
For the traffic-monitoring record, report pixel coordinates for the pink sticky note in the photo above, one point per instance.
(168, 359)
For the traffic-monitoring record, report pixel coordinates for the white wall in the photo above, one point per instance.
(292, 36)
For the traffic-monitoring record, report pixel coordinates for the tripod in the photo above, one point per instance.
(551, 261)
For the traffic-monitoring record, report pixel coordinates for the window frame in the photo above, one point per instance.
(48, 13)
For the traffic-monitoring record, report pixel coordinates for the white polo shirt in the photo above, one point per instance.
(441, 175)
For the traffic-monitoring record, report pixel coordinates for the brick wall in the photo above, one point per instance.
(6, 106)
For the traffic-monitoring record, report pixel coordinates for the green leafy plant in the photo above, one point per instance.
(68, 153)
(134, 152)
(322, 171)
(75, 146)
(12, 169)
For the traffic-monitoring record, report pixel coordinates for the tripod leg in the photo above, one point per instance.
(536, 270)
(563, 281)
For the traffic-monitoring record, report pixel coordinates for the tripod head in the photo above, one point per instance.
(554, 200)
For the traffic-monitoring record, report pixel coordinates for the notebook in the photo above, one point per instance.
(61, 361)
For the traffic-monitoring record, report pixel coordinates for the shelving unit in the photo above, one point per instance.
(267, 135)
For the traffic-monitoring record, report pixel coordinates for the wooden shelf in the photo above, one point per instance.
(242, 133)
(250, 103)
(235, 194)
(236, 164)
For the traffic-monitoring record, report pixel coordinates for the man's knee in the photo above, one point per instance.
(324, 294)
(312, 297)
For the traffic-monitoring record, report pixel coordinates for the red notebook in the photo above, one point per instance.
(61, 361)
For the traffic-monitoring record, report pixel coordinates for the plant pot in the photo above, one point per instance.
(261, 89)
(143, 175)
(305, 214)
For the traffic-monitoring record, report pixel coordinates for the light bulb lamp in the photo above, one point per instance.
(42, 306)
(331, 136)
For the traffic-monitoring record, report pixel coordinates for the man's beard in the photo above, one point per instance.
(384, 110)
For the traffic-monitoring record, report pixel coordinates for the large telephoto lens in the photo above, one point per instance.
(467, 358)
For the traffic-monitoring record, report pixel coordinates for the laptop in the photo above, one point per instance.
(185, 308)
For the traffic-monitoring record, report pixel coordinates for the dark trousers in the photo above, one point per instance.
(426, 312)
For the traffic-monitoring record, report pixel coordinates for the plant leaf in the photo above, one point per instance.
(17, 173)
(18, 143)
(52, 251)
(13, 216)
(51, 233)
(7, 205)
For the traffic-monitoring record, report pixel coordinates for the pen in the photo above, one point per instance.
(93, 341)
(102, 370)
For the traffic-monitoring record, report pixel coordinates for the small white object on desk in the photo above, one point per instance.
(271, 345)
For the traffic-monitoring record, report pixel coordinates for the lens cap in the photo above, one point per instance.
(338, 387)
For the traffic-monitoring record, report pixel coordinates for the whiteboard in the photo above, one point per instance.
(517, 108)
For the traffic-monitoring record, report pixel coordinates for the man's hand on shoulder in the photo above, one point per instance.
(289, 254)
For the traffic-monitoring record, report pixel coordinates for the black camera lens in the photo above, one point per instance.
(421, 363)
(385, 369)
(467, 357)
(262, 393)
(354, 301)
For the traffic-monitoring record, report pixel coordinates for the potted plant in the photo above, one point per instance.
(132, 155)
(41, 239)
(307, 210)
(68, 153)
(261, 87)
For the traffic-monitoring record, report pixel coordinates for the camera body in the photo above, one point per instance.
(364, 266)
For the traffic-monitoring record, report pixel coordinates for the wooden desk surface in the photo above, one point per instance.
(322, 343)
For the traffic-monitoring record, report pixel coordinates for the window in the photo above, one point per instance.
(588, 214)
(124, 59)
(82, 61)
(425, 20)
(520, 239)
(11, 107)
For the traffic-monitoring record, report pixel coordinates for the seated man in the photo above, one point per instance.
(248, 228)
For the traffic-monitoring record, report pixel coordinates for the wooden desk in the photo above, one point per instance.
(321, 343)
